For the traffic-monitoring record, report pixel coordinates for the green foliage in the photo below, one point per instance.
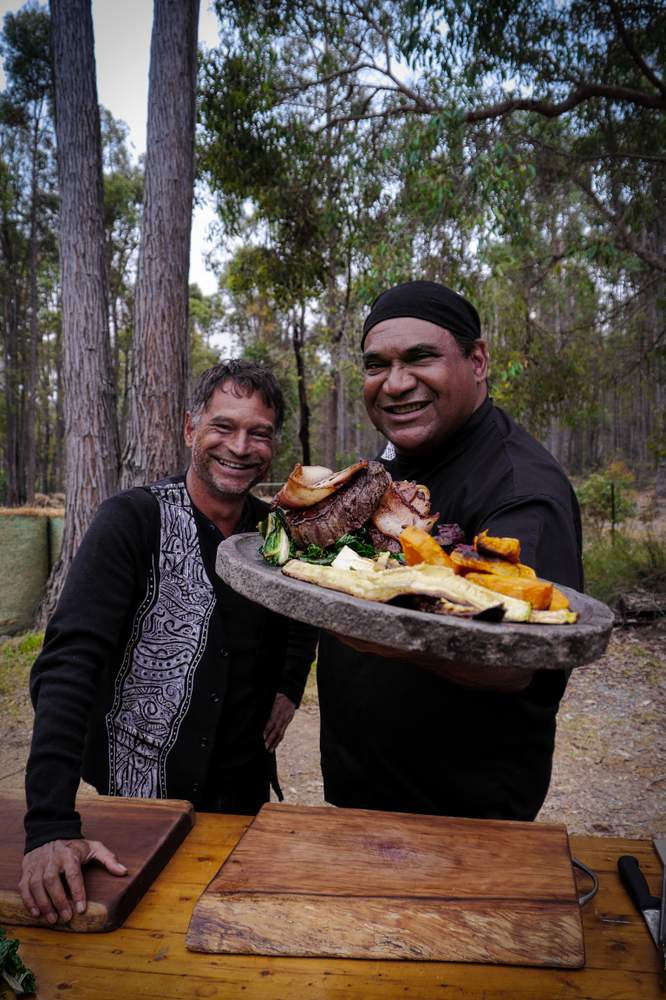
(25, 49)
(17, 655)
(606, 497)
(12, 970)
(628, 564)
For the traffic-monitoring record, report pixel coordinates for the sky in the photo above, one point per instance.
(122, 54)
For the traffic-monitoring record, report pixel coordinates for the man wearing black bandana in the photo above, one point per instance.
(394, 735)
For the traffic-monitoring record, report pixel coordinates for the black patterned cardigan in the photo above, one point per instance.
(130, 687)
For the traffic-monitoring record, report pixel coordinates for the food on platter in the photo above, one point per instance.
(387, 584)
(466, 559)
(418, 547)
(505, 548)
(538, 592)
(359, 532)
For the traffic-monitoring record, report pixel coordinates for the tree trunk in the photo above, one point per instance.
(91, 438)
(157, 395)
(11, 380)
(29, 429)
(298, 336)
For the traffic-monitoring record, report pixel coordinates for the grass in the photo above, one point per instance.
(17, 655)
(628, 564)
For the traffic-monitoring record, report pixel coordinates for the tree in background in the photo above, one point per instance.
(27, 207)
(300, 192)
(159, 375)
(520, 148)
(89, 403)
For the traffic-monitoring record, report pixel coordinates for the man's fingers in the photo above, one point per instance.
(98, 852)
(28, 899)
(75, 883)
(42, 900)
(54, 888)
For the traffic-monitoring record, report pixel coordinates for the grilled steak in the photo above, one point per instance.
(382, 542)
(346, 510)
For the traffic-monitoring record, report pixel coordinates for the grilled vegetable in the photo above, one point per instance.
(465, 560)
(506, 548)
(537, 592)
(384, 585)
(276, 547)
(554, 617)
(418, 546)
(559, 601)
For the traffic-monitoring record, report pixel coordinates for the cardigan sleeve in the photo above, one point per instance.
(94, 610)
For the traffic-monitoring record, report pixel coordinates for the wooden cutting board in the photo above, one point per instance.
(358, 884)
(143, 833)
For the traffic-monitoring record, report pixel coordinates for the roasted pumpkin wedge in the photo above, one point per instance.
(465, 560)
(418, 546)
(505, 548)
(524, 570)
(559, 601)
(537, 592)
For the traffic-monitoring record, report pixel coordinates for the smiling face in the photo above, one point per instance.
(418, 387)
(232, 442)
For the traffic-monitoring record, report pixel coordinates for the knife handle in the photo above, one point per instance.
(634, 882)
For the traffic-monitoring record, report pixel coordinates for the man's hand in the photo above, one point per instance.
(503, 679)
(281, 715)
(41, 885)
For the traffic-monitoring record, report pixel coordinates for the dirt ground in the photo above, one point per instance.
(609, 774)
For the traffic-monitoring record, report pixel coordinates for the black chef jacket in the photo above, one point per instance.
(395, 736)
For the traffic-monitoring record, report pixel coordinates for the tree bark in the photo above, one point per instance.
(298, 338)
(91, 436)
(157, 395)
(11, 363)
(29, 429)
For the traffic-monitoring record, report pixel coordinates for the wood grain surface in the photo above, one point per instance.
(351, 883)
(143, 833)
(147, 956)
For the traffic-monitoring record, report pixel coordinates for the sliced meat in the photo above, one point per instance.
(394, 513)
(346, 510)
(382, 542)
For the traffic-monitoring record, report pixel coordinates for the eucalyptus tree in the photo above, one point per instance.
(157, 392)
(91, 438)
(304, 193)
(28, 207)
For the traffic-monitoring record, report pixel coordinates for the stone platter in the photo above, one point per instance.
(400, 630)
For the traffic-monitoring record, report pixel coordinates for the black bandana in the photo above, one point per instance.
(426, 300)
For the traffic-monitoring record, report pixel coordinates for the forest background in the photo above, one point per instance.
(513, 150)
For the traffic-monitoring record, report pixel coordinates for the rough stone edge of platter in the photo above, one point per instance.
(508, 644)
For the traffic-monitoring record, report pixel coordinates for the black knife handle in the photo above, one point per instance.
(634, 882)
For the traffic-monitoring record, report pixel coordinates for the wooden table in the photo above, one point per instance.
(147, 956)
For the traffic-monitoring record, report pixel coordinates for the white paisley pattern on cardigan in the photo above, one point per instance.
(154, 686)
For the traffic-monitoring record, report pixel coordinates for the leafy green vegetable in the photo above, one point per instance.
(12, 969)
(358, 541)
(277, 547)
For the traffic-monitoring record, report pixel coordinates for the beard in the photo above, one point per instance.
(223, 483)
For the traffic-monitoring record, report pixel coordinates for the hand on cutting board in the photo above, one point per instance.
(41, 884)
(505, 679)
(281, 715)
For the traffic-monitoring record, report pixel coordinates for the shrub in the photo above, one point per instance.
(16, 657)
(628, 564)
(607, 497)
